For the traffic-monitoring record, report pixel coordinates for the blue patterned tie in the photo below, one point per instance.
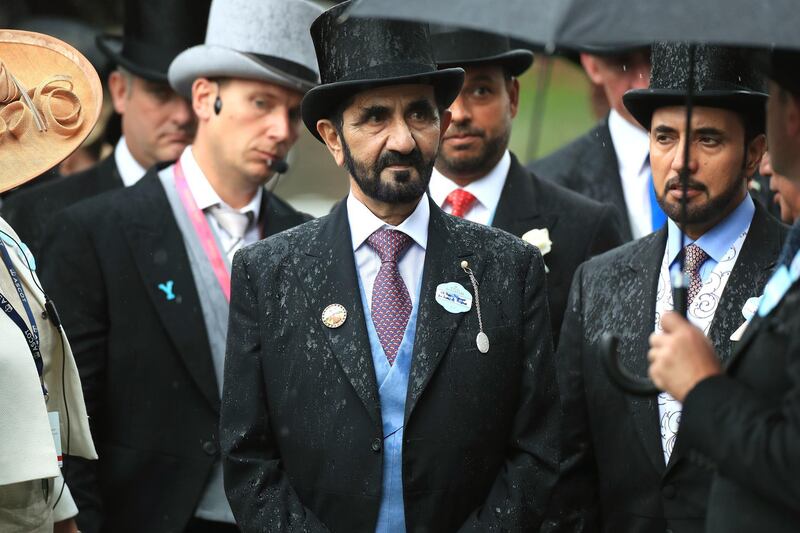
(791, 246)
(391, 303)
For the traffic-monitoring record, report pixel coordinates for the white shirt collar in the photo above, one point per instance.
(364, 223)
(487, 189)
(129, 169)
(204, 194)
(631, 143)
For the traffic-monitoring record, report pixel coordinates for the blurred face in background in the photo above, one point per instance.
(480, 127)
(619, 74)
(787, 192)
(157, 123)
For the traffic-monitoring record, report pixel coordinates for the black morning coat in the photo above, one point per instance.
(301, 424)
(144, 361)
(614, 476)
(579, 228)
(588, 165)
(31, 211)
(745, 425)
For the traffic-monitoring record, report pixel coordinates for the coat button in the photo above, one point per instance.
(376, 445)
(669, 491)
(210, 447)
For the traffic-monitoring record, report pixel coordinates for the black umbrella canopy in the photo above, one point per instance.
(551, 23)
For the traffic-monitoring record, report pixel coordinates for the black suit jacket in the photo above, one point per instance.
(588, 165)
(613, 464)
(31, 211)
(746, 425)
(301, 423)
(579, 228)
(144, 361)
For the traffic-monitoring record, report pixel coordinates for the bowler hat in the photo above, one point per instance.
(356, 54)
(154, 32)
(723, 78)
(264, 40)
(456, 47)
(50, 99)
(781, 66)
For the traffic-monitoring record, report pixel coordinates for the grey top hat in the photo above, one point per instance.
(457, 47)
(723, 78)
(357, 54)
(262, 40)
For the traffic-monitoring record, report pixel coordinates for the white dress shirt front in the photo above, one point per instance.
(129, 169)
(364, 223)
(487, 190)
(632, 146)
(205, 196)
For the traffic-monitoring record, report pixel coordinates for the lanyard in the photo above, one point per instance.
(31, 333)
(203, 231)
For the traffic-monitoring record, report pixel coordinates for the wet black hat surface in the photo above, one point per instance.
(456, 47)
(356, 54)
(723, 78)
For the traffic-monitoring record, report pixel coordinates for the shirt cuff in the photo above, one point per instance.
(66, 507)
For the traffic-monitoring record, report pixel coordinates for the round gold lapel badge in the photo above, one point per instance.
(334, 315)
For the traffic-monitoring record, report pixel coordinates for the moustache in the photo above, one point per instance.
(412, 159)
(458, 131)
(674, 183)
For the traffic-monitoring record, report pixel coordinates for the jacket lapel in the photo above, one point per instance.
(519, 209)
(435, 326)
(160, 254)
(642, 279)
(274, 219)
(329, 277)
(603, 164)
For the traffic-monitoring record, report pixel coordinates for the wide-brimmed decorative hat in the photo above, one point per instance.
(50, 99)
(264, 40)
(781, 66)
(457, 47)
(356, 54)
(154, 32)
(723, 78)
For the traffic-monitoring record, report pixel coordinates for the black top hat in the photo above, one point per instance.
(782, 66)
(723, 78)
(355, 54)
(456, 47)
(155, 32)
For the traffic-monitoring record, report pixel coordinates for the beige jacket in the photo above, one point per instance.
(27, 450)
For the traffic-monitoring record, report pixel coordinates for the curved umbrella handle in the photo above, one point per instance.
(619, 375)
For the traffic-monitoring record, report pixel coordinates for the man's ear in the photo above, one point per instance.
(119, 90)
(204, 92)
(512, 86)
(444, 123)
(330, 135)
(592, 68)
(755, 151)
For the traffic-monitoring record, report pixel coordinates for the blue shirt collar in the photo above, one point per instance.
(717, 241)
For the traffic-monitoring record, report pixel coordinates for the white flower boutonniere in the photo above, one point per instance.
(540, 238)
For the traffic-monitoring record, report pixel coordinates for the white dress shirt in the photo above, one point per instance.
(486, 190)
(632, 145)
(129, 169)
(205, 196)
(364, 223)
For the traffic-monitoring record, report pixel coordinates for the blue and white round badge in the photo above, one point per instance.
(454, 297)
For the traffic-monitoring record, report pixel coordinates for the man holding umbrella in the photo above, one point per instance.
(389, 366)
(477, 178)
(621, 451)
(745, 420)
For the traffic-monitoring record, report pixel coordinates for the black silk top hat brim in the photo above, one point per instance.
(358, 54)
(155, 31)
(455, 47)
(781, 66)
(724, 78)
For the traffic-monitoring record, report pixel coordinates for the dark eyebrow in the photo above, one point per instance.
(713, 132)
(372, 110)
(421, 105)
(663, 129)
(482, 77)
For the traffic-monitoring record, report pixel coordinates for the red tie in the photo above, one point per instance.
(461, 201)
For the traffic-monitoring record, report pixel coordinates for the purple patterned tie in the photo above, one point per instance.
(695, 257)
(391, 304)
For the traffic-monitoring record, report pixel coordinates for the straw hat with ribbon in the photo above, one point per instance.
(50, 99)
